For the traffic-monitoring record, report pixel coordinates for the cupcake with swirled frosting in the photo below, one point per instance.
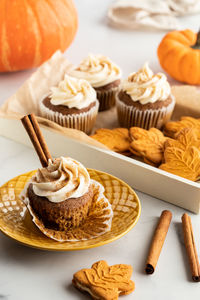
(144, 100)
(72, 104)
(61, 194)
(103, 75)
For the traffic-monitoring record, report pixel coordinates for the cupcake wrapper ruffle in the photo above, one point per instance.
(98, 221)
(130, 116)
(106, 98)
(84, 121)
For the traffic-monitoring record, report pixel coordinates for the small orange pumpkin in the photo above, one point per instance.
(31, 31)
(179, 55)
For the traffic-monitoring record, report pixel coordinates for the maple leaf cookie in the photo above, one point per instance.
(148, 144)
(115, 139)
(172, 128)
(105, 282)
(182, 156)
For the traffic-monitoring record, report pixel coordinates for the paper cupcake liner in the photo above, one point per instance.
(98, 221)
(84, 121)
(65, 219)
(129, 116)
(106, 98)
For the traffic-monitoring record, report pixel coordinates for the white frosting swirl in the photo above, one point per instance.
(62, 179)
(73, 92)
(146, 87)
(98, 70)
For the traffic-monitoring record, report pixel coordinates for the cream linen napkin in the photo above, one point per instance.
(150, 14)
(184, 7)
(26, 99)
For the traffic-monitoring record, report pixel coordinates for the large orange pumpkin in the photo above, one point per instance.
(32, 30)
(179, 55)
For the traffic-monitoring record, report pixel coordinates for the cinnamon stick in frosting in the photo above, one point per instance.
(158, 241)
(32, 128)
(190, 247)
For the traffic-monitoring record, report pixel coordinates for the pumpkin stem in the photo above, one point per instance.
(197, 44)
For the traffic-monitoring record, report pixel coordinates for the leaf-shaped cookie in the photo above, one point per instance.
(172, 128)
(115, 139)
(148, 144)
(105, 282)
(182, 156)
(186, 138)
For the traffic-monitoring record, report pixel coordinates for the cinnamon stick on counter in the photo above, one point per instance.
(32, 128)
(158, 241)
(190, 247)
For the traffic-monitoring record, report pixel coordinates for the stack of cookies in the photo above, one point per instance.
(175, 150)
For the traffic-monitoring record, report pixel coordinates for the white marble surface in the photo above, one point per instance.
(27, 273)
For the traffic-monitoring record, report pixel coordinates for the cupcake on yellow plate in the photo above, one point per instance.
(103, 75)
(65, 203)
(73, 104)
(144, 100)
(60, 194)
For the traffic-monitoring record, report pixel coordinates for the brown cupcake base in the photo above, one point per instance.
(106, 95)
(63, 215)
(84, 120)
(64, 110)
(97, 222)
(152, 116)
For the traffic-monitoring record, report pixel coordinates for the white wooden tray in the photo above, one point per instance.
(140, 176)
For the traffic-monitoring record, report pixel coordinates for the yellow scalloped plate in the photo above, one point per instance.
(19, 226)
